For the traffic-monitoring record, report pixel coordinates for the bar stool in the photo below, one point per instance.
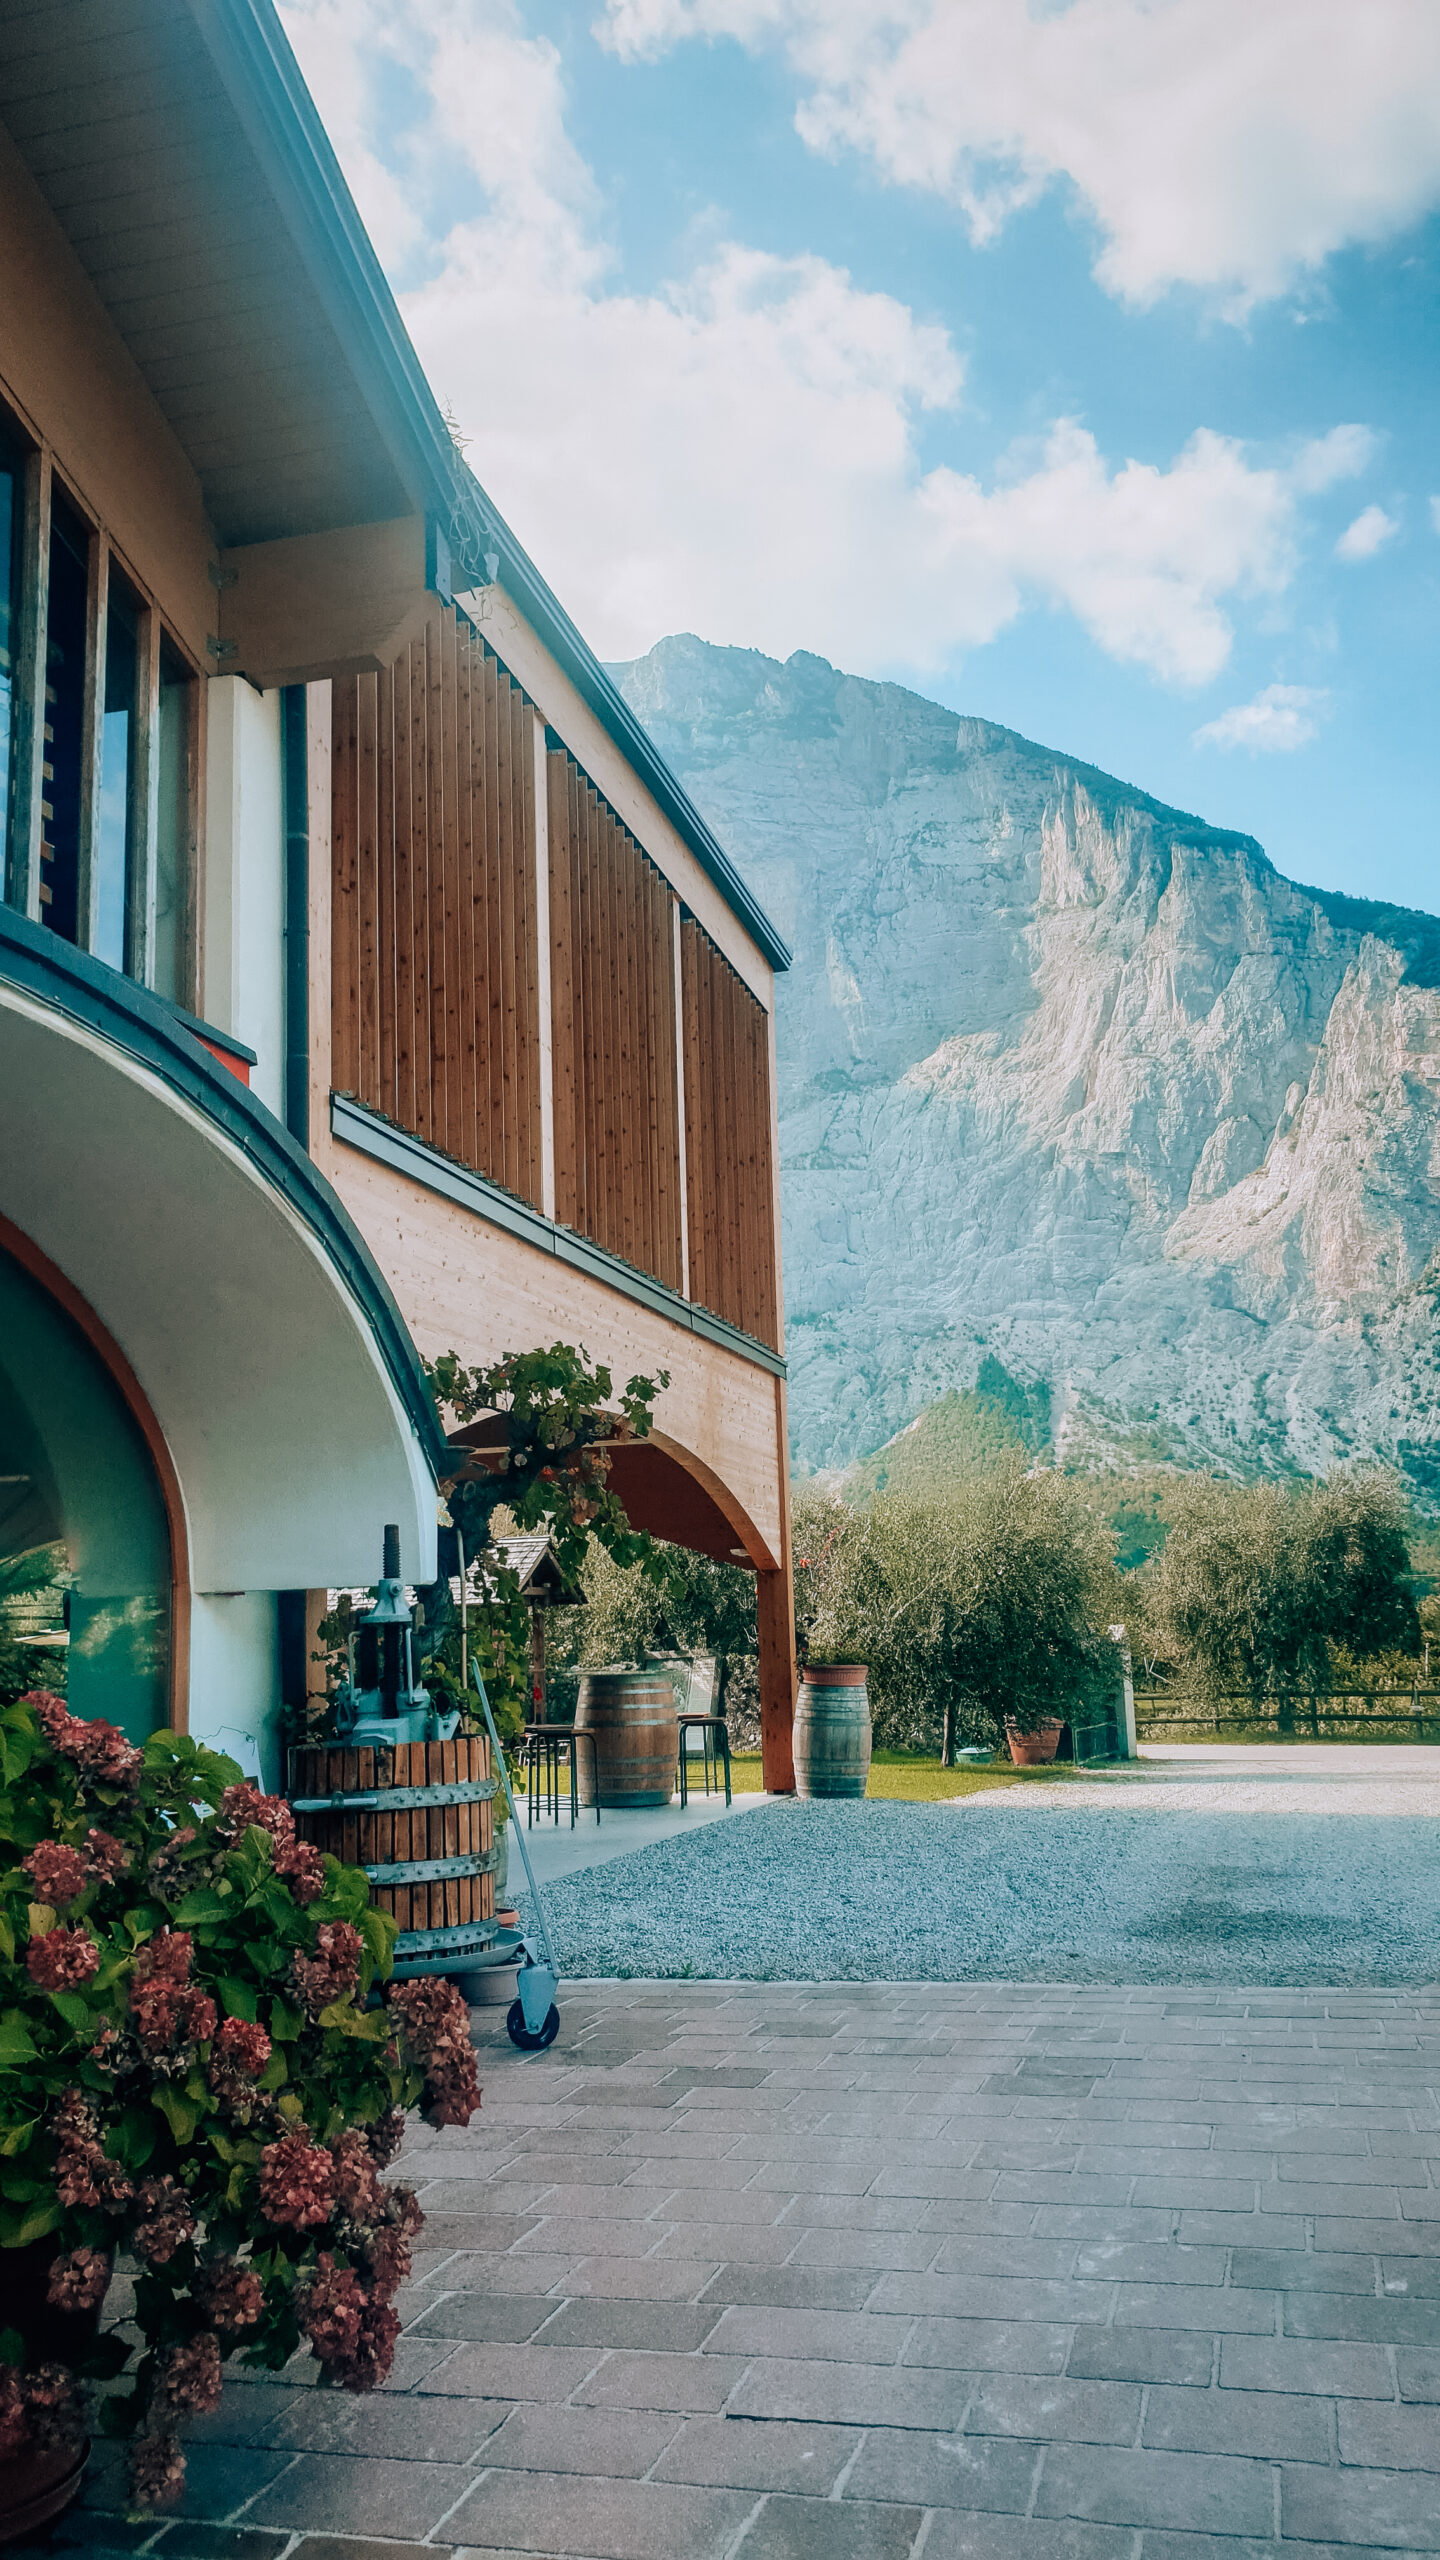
(545, 1750)
(714, 1747)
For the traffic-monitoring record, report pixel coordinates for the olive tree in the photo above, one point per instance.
(1259, 1587)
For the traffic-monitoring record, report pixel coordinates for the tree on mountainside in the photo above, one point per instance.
(1259, 1587)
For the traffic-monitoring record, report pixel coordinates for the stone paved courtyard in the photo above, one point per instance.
(865, 2273)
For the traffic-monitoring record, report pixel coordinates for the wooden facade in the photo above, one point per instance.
(515, 981)
(435, 939)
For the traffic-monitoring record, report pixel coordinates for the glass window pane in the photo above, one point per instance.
(11, 513)
(114, 839)
(172, 884)
(64, 725)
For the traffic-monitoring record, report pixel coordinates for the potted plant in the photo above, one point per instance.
(1033, 1740)
(205, 2065)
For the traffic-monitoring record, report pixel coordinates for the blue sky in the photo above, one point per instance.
(1075, 364)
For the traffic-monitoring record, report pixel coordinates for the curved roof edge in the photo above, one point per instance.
(251, 45)
(36, 961)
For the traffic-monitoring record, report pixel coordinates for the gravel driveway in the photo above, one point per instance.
(1226, 1865)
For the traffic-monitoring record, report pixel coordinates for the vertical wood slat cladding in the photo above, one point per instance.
(612, 1013)
(727, 1141)
(436, 968)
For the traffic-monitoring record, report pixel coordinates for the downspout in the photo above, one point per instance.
(295, 805)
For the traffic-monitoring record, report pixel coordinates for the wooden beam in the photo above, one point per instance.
(678, 1014)
(544, 1012)
(775, 1617)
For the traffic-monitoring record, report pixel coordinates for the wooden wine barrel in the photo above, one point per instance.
(632, 1716)
(418, 1820)
(832, 1731)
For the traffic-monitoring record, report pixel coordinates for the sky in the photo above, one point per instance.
(1074, 362)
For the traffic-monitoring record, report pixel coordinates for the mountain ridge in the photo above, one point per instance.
(1073, 1080)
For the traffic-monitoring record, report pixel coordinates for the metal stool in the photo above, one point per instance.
(544, 1750)
(714, 1747)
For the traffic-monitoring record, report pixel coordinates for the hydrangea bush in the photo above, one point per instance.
(204, 2064)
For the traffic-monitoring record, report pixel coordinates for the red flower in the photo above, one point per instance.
(99, 1751)
(166, 2221)
(297, 2182)
(105, 1857)
(190, 2377)
(165, 2012)
(83, 2175)
(334, 1968)
(435, 2032)
(62, 1960)
(302, 1867)
(78, 2279)
(374, 2353)
(233, 2295)
(358, 2191)
(331, 2310)
(157, 2469)
(245, 1806)
(57, 1874)
(242, 2046)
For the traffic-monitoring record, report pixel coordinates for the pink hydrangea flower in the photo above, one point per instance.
(62, 1960)
(57, 1874)
(105, 1856)
(78, 2279)
(232, 2294)
(166, 2221)
(297, 2182)
(333, 1969)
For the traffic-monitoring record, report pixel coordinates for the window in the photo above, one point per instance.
(64, 730)
(169, 973)
(115, 805)
(12, 509)
(115, 735)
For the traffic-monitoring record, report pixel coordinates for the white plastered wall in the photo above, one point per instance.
(235, 1679)
(244, 919)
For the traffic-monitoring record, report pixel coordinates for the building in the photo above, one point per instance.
(368, 985)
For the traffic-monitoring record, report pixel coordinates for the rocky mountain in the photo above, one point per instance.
(1072, 1083)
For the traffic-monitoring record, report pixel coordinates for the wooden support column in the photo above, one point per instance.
(318, 775)
(545, 1029)
(775, 1611)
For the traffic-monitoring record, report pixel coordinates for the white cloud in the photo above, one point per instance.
(736, 453)
(1369, 533)
(1282, 718)
(1213, 142)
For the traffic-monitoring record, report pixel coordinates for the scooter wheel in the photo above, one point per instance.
(531, 2040)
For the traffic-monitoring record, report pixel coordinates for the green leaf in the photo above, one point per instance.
(135, 2136)
(182, 2114)
(17, 2045)
(286, 2024)
(74, 2009)
(7, 1940)
(370, 2025)
(16, 2137)
(33, 2225)
(239, 1999)
(198, 1907)
(12, 2347)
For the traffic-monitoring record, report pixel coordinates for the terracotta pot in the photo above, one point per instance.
(1031, 1748)
(35, 2488)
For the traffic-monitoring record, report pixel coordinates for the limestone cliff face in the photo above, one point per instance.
(1073, 1078)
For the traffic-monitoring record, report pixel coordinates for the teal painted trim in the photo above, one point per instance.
(253, 54)
(364, 1130)
(157, 1036)
(207, 1031)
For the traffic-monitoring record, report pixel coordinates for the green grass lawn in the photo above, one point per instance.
(898, 1774)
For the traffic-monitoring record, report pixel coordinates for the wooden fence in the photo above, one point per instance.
(1320, 1715)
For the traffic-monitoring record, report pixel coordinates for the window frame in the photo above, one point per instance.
(21, 826)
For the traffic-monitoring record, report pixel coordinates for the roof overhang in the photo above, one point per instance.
(667, 1491)
(260, 1332)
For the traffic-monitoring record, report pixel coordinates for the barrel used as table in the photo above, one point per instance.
(832, 1731)
(632, 1717)
(418, 1820)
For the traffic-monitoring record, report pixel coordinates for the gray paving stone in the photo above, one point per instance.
(557, 2513)
(1303, 2364)
(514, 2373)
(349, 2493)
(1303, 2271)
(411, 2427)
(614, 2444)
(1143, 2355)
(849, 2337)
(629, 2379)
(1208, 2492)
(1275, 2425)
(993, 2346)
(1405, 2439)
(1139, 2262)
(792, 2288)
(955, 2536)
(1050, 2409)
(1397, 2510)
(673, 2328)
(747, 2453)
(849, 2394)
(1390, 2319)
(676, 2279)
(1186, 2306)
(815, 2529)
(989, 2473)
(1418, 2376)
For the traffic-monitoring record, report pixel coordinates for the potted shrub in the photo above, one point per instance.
(205, 2066)
(1033, 1740)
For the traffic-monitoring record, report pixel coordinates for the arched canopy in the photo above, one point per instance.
(666, 1490)
(258, 1328)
